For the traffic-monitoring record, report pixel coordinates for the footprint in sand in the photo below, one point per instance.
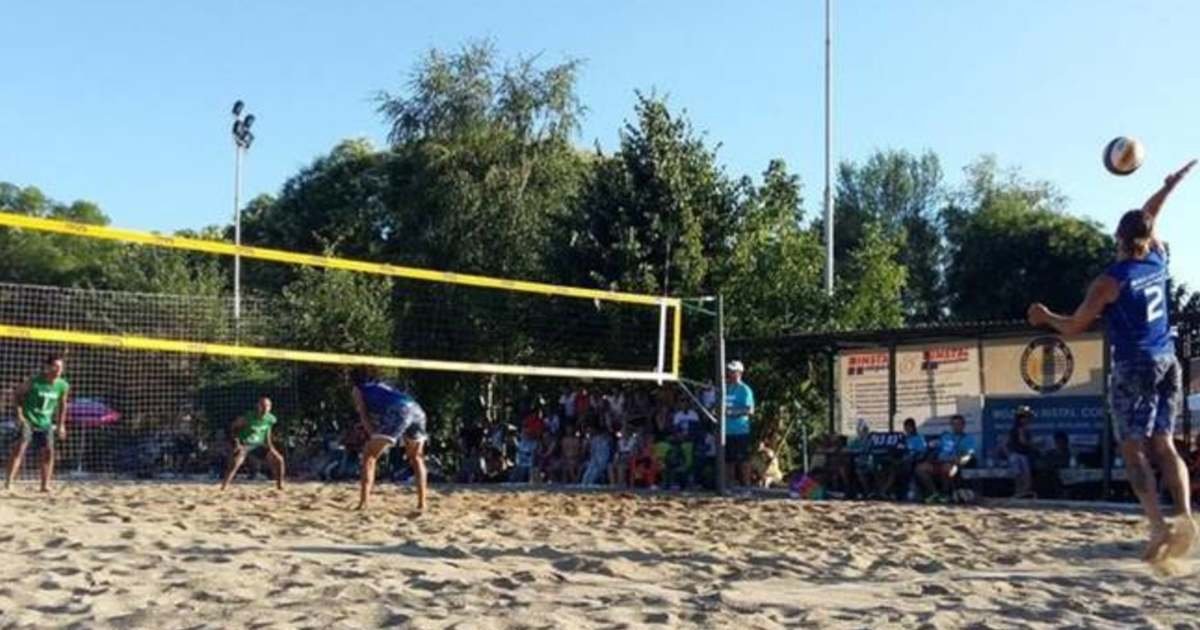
(505, 583)
(657, 618)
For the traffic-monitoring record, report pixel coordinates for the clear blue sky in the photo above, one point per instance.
(126, 103)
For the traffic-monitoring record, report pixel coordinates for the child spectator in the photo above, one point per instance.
(627, 444)
(686, 419)
(677, 462)
(534, 424)
(554, 423)
(599, 453)
(522, 471)
(705, 460)
(571, 453)
(708, 396)
(645, 469)
(547, 459)
(471, 466)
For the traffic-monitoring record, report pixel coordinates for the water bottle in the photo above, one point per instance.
(1074, 461)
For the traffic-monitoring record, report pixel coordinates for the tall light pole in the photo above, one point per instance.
(242, 139)
(828, 152)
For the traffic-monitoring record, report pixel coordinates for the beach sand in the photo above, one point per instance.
(159, 555)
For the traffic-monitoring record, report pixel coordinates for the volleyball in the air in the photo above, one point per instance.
(1123, 155)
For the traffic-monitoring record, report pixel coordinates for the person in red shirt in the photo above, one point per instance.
(534, 424)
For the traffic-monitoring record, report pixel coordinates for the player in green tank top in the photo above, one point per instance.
(252, 432)
(41, 417)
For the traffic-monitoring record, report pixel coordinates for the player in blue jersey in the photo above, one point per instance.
(389, 416)
(1145, 388)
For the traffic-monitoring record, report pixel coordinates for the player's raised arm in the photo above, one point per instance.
(1154, 204)
(1103, 291)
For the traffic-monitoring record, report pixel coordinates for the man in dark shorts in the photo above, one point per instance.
(955, 449)
(41, 417)
(739, 406)
(252, 434)
(1132, 297)
(400, 418)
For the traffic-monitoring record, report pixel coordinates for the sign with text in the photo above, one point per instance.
(1080, 417)
(933, 383)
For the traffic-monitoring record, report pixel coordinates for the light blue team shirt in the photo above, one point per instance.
(953, 447)
(738, 396)
(915, 444)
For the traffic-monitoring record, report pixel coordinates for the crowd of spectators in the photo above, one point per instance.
(626, 437)
(640, 437)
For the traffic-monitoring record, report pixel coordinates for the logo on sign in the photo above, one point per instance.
(934, 357)
(860, 364)
(1047, 365)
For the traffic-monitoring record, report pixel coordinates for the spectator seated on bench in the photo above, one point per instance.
(892, 459)
(939, 475)
(875, 462)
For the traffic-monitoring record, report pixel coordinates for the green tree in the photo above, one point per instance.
(872, 299)
(50, 259)
(773, 283)
(483, 161)
(899, 193)
(1010, 244)
(657, 216)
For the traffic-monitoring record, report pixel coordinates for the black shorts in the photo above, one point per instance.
(37, 439)
(257, 449)
(737, 449)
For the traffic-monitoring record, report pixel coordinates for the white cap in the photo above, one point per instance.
(735, 366)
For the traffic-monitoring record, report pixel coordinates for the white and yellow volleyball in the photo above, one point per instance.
(1124, 155)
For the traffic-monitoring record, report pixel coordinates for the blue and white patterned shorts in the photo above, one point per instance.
(1145, 396)
(405, 420)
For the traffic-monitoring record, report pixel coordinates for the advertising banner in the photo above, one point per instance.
(933, 382)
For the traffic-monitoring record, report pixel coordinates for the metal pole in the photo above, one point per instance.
(892, 387)
(828, 151)
(237, 234)
(721, 402)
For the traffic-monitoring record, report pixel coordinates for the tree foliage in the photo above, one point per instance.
(1010, 245)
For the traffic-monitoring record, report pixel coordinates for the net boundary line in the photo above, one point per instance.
(132, 342)
(101, 232)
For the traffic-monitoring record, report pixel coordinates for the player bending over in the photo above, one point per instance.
(1132, 296)
(399, 418)
(252, 434)
(41, 417)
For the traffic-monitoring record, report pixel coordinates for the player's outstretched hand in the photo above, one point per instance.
(1174, 178)
(1038, 314)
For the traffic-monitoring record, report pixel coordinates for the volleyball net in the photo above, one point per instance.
(443, 320)
(157, 378)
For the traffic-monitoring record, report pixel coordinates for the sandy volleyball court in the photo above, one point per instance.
(182, 556)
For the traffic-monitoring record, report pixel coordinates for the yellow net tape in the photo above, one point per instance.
(188, 347)
(276, 255)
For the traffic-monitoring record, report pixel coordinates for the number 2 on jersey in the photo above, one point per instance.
(1154, 303)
